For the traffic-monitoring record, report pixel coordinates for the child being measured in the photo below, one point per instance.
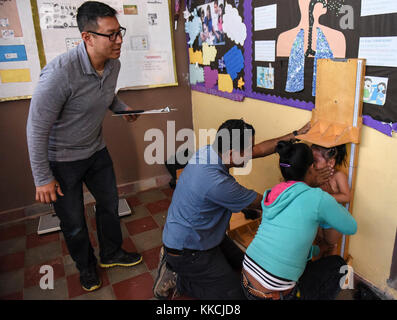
(337, 186)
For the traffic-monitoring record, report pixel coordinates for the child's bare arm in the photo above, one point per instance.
(343, 196)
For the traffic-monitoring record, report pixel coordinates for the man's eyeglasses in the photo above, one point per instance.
(113, 36)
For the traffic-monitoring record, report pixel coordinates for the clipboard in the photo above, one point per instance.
(139, 112)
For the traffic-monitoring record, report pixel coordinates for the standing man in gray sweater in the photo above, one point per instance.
(66, 147)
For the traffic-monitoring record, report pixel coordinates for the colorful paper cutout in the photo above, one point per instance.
(186, 14)
(225, 83)
(211, 77)
(195, 56)
(221, 64)
(15, 75)
(193, 28)
(209, 54)
(234, 61)
(240, 83)
(233, 25)
(296, 65)
(196, 74)
(323, 51)
(13, 53)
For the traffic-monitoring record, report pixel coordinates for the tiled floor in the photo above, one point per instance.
(23, 253)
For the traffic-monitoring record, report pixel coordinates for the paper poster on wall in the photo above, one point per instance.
(233, 25)
(265, 77)
(265, 17)
(375, 7)
(130, 9)
(196, 74)
(19, 60)
(58, 26)
(375, 89)
(211, 16)
(305, 31)
(147, 57)
(265, 50)
(379, 51)
(14, 76)
(312, 28)
(10, 23)
(139, 42)
(13, 53)
(72, 42)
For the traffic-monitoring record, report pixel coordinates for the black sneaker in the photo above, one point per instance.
(121, 259)
(165, 280)
(90, 280)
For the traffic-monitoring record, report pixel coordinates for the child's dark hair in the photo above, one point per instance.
(295, 159)
(338, 153)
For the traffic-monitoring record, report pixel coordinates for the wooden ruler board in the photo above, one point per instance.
(337, 116)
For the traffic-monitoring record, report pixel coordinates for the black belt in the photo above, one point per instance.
(181, 252)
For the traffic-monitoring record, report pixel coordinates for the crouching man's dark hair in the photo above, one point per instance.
(233, 134)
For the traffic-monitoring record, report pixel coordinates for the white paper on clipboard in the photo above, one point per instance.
(153, 111)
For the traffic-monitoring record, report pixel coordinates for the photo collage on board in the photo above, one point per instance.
(216, 34)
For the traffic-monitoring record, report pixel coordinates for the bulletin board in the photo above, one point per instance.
(37, 31)
(217, 56)
(19, 58)
(284, 40)
(147, 55)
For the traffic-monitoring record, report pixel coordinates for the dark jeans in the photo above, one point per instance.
(98, 175)
(211, 274)
(319, 281)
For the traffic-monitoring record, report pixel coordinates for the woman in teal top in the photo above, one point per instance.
(276, 262)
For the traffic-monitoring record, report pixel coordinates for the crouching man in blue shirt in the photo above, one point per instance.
(198, 259)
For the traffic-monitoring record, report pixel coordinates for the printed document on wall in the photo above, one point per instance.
(265, 17)
(379, 51)
(374, 7)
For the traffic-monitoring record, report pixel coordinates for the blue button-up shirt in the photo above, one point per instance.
(202, 203)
